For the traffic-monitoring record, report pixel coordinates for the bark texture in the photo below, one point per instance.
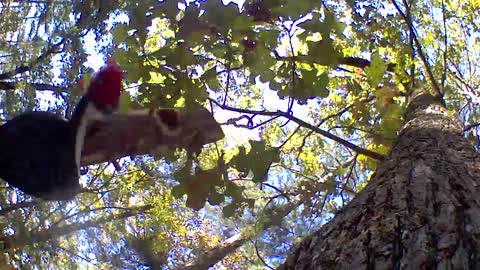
(421, 209)
(154, 132)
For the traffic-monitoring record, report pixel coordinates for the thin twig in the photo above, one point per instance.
(38, 87)
(445, 44)
(418, 46)
(260, 256)
(302, 123)
(21, 69)
(227, 85)
(280, 192)
(469, 127)
(13, 207)
(289, 137)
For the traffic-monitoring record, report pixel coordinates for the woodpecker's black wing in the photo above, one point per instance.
(37, 152)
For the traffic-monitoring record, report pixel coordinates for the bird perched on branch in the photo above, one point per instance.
(40, 151)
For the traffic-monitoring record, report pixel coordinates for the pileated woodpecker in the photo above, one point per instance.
(40, 151)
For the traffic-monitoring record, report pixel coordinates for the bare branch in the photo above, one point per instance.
(302, 123)
(445, 44)
(12, 207)
(418, 46)
(260, 256)
(43, 235)
(21, 69)
(469, 127)
(38, 86)
(216, 254)
(348, 61)
(361, 63)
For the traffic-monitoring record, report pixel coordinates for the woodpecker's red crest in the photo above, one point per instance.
(106, 87)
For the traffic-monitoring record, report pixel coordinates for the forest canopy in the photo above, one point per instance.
(310, 96)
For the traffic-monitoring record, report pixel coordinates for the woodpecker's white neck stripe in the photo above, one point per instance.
(90, 114)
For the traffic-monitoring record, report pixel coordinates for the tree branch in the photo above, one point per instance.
(21, 69)
(469, 127)
(362, 63)
(304, 124)
(418, 46)
(154, 132)
(445, 44)
(80, 24)
(348, 61)
(38, 86)
(20, 241)
(216, 254)
(12, 207)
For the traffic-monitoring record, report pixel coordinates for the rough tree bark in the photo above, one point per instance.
(420, 210)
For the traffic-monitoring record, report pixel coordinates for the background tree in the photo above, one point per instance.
(321, 87)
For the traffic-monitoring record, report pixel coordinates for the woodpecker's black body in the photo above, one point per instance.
(34, 176)
(40, 151)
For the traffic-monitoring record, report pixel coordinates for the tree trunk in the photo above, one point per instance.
(419, 211)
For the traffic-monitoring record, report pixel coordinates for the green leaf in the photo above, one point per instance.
(121, 57)
(391, 120)
(194, 90)
(170, 9)
(354, 87)
(220, 15)
(179, 190)
(140, 22)
(267, 76)
(323, 26)
(313, 25)
(250, 202)
(216, 198)
(199, 187)
(258, 160)
(234, 191)
(134, 74)
(125, 103)
(323, 52)
(294, 8)
(310, 85)
(181, 56)
(229, 210)
(120, 33)
(376, 70)
(270, 37)
(242, 24)
(211, 79)
(330, 23)
(260, 60)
